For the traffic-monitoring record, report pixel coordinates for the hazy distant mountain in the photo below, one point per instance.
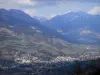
(41, 18)
(74, 20)
(72, 24)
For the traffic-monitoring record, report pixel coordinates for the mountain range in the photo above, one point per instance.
(77, 27)
(20, 32)
(73, 27)
(63, 35)
(66, 44)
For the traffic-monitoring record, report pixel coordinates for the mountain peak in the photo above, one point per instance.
(16, 11)
(2, 9)
(77, 13)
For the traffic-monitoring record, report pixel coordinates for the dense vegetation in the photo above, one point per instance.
(90, 67)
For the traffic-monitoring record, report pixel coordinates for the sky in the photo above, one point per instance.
(51, 8)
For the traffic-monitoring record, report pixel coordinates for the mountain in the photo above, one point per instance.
(29, 48)
(73, 27)
(77, 27)
(41, 18)
(16, 17)
(21, 33)
(22, 22)
(23, 38)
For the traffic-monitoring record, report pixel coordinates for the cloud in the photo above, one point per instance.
(26, 2)
(8, 4)
(56, 2)
(30, 6)
(26, 5)
(95, 11)
(16, 4)
(49, 16)
(30, 12)
(47, 2)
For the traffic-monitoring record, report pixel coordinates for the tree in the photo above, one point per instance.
(78, 69)
(0, 53)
